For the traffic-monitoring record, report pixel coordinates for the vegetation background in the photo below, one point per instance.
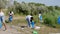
(49, 13)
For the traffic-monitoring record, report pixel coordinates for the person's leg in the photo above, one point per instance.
(3, 21)
(40, 20)
(5, 26)
(28, 22)
(10, 21)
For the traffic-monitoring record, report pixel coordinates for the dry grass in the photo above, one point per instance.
(20, 21)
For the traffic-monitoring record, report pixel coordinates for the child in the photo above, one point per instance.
(32, 22)
(40, 17)
(10, 16)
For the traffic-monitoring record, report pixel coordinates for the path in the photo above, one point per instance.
(9, 30)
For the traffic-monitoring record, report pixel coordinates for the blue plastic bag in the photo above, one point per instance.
(58, 20)
(10, 19)
(40, 17)
(32, 24)
(0, 22)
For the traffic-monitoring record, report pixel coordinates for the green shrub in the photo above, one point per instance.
(47, 21)
(50, 20)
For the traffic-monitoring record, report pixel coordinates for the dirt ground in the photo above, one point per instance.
(16, 29)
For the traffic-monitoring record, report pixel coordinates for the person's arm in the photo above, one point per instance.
(12, 14)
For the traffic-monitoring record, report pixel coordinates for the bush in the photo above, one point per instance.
(6, 21)
(50, 21)
(47, 21)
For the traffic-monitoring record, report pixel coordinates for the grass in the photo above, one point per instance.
(43, 30)
(22, 19)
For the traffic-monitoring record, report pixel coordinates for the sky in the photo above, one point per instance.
(46, 2)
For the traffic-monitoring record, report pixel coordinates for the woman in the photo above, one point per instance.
(2, 18)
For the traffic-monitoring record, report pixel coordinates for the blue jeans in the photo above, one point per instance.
(10, 18)
(1, 20)
(28, 22)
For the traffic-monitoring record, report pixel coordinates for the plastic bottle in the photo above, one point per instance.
(35, 32)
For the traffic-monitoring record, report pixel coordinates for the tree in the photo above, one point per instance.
(57, 7)
(50, 8)
(3, 3)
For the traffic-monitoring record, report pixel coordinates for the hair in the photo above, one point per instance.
(40, 12)
(10, 11)
(31, 19)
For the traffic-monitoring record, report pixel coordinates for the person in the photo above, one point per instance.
(11, 16)
(40, 16)
(32, 23)
(28, 18)
(2, 18)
